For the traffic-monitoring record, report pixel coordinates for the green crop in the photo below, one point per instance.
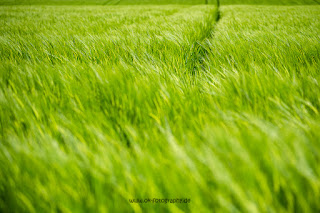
(155, 2)
(103, 104)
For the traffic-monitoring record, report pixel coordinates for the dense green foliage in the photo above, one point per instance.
(154, 2)
(99, 105)
(99, 2)
(270, 2)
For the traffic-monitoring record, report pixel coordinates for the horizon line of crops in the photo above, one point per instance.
(158, 2)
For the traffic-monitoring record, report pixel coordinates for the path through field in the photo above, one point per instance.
(100, 105)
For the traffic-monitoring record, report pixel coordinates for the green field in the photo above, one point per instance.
(103, 2)
(157, 2)
(100, 105)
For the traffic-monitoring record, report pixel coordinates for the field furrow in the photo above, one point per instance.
(100, 105)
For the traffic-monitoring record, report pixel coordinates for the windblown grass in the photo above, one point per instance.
(83, 85)
(99, 105)
(101, 2)
(155, 2)
(270, 2)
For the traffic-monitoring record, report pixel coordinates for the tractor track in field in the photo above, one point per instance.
(199, 50)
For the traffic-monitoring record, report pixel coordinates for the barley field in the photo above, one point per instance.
(159, 106)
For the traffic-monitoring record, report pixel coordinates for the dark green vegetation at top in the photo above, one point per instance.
(99, 2)
(154, 2)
